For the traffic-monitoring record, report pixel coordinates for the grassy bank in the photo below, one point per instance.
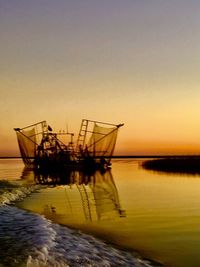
(190, 165)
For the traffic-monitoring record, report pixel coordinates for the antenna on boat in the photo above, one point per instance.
(67, 127)
(71, 134)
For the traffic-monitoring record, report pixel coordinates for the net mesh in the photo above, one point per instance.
(27, 145)
(102, 141)
(106, 195)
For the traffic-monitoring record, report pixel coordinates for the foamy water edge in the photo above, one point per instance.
(43, 243)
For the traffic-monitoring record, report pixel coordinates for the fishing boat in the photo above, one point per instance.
(43, 149)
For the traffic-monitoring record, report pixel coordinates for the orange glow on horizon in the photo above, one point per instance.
(142, 148)
(127, 148)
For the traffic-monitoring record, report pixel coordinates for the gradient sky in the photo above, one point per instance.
(131, 61)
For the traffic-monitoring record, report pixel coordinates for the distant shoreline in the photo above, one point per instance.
(182, 165)
(128, 156)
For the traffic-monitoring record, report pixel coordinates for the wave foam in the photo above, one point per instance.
(30, 239)
(16, 194)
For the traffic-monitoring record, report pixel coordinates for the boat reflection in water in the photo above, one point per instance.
(75, 197)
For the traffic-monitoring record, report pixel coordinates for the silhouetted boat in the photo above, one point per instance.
(41, 148)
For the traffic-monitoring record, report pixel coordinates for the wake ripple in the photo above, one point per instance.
(28, 239)
(13, 194)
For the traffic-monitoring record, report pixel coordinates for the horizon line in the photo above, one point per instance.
(126, 156)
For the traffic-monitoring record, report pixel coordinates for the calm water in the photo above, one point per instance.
(156, 214)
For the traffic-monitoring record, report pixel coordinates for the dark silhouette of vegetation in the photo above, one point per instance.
(188, 165)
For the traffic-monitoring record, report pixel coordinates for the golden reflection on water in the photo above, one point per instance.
(157, 214)
(74, 197)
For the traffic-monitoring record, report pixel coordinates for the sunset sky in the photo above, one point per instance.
(122, 61)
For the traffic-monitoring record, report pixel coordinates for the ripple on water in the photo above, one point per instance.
(28, 239)
(10, 192)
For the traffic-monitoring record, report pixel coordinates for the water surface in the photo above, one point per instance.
(31, 233)
(155, 213)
